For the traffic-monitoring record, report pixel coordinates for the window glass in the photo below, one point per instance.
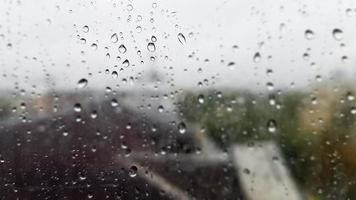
(136, 99)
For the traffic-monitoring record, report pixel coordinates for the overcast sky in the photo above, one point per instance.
(45, 38)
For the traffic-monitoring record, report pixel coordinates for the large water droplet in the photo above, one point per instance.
(122, 49)
(153, 38)
(82, 83)
(350, 96)
(114, 103)
(133, 171)
(160, 108)
(353, 110)
(77, 107)
(126, 63)
(94, 114)
(85, 29)
(231, 65)
(182, 128)
(257, 57)
(201, 99)
(309, 34)
(151, 47)
(337, 34)
(270, 86)
(114, 38)
(114, 74)
(181, 38)
(271, 126)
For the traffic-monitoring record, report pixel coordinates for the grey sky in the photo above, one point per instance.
(50, 31)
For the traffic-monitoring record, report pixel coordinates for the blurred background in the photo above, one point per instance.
(186, 99)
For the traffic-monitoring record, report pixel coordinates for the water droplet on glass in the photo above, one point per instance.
(126, 63)
(77, 107)
(129, 7)
(114, 38)
(270, 86)
(82, 83)
(271, 126)
(114, 103)
(85, 29)
(93, 114)
(353, 110)
(201, 99)
(337, 34)
(83, 40)
(309, 34)
(231, 65)
(133, 171)
(182, 128)
(114, 74)
(181, 38)
(153, 38)
(160, 108)
(151, 47)
(349, 12)
(257, 57)
(350, 96)
(122, 49)
(94, 46)
(344, 59)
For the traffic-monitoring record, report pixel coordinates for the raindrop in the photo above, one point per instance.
(133, 171)
(231, 65)
(269, 72)
(181, 38)
(257, 57)
(129, 7)
(114, 74)
(350, 96)
(138, 29)
(344, 59)
(94, 114)
(270, 86)
(114, 38)
(306, 56)
(349, 12)
(318, 78)
(201, 99)
(182, 128)
(122, 49)
(160, 108)
(309, 34)
(114, 103)
(85, 29)
(353, 111)
(271, 126)
(94, 46)
(82, 83)
(77, 107)
(126, 63)
(151, 47)
(83, 40)
(337, 34)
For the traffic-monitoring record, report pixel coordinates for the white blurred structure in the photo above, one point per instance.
(262, 172)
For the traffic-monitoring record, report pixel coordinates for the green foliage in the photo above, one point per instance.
(312, 154)
(5, 108)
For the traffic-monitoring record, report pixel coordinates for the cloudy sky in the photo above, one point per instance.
(45, 43)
